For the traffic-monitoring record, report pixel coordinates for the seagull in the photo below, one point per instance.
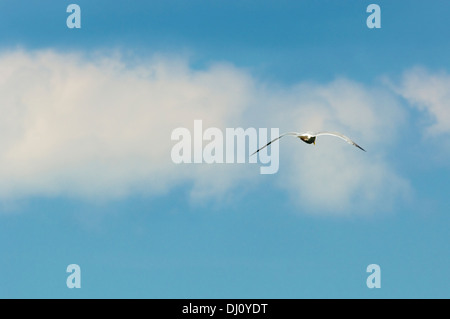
(310, 138)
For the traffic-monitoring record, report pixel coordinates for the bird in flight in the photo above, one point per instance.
(310, 138)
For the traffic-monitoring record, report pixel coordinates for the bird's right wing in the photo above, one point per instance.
(288, 133)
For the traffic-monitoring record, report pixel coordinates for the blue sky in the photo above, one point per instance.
(87, 176)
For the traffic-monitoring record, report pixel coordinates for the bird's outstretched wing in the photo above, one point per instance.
(345, 138)
(275, 139)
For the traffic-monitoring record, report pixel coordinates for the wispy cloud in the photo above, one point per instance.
(333, 177)
(430, 93)
(98, 127)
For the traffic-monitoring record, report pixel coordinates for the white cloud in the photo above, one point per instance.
(97, 127)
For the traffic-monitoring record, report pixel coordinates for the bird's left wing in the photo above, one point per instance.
(345, 138)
